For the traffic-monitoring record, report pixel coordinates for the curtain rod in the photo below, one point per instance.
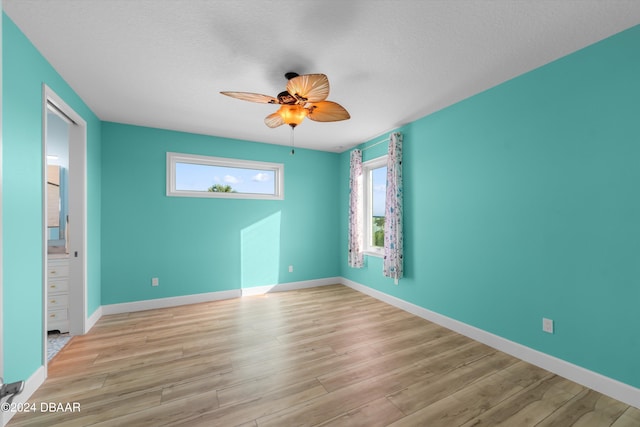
(375, 143)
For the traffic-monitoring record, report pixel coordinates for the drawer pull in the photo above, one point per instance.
(53, 301)
(52, 315)
(52, 286)
(53, 272)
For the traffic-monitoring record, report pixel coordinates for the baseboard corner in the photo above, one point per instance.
(291, 286)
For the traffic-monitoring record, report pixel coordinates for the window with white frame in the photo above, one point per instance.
(374, 177)
(190, 175)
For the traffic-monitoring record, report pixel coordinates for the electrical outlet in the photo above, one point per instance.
(547, 325)
(154, 281)
(291, 269)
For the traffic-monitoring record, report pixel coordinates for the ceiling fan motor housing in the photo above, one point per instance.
(286, 98)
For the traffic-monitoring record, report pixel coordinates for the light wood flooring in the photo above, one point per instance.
(320, 356)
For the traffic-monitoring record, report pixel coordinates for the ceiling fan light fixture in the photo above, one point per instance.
(293, 115)
(305, 96)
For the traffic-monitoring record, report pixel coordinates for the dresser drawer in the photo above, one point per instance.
(57, 270)
(57, 315)
(58, 294)
(57, 301)
(57, 286)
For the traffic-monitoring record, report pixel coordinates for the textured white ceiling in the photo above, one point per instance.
(161, 63)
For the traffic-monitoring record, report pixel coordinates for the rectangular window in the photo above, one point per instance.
(191, 175)
(374, 173)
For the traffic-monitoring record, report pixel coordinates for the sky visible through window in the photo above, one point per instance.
(379, 190)
(195, 177)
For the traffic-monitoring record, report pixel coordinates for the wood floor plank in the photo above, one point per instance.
(425, 393)
(285, 397)
(171, 413)
(534, 404)
(275, 379)
(326, 356)
(630, 418)
(587, 409)
(344, 399)
(463, 405)
(325, 407)
(379, 412)
(413, 355)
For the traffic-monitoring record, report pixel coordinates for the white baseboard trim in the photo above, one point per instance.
(30, 386)
(292, 286)
(150, 304)
(129, 307)
(598, 382)
(91, 321)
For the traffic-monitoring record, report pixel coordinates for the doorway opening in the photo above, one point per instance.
(64, 247)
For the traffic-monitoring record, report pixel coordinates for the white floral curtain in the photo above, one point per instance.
(356, 257)
(393, 236)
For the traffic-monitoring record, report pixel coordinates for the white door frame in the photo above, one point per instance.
(77, 216)
(1, 244)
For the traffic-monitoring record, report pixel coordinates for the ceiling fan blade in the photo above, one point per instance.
(311, 87)
(327, 111)
(274, 120)
(252, 97)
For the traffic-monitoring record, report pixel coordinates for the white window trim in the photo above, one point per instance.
(173, 158)
(367, 223)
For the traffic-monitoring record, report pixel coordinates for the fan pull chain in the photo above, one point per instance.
(293, 151)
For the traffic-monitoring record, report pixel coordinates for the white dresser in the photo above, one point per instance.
(58, 293)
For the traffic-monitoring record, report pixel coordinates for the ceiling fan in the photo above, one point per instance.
(305, 97)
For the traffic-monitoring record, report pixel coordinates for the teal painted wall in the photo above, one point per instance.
(196, 245)
(24, 72)
(522, 202)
